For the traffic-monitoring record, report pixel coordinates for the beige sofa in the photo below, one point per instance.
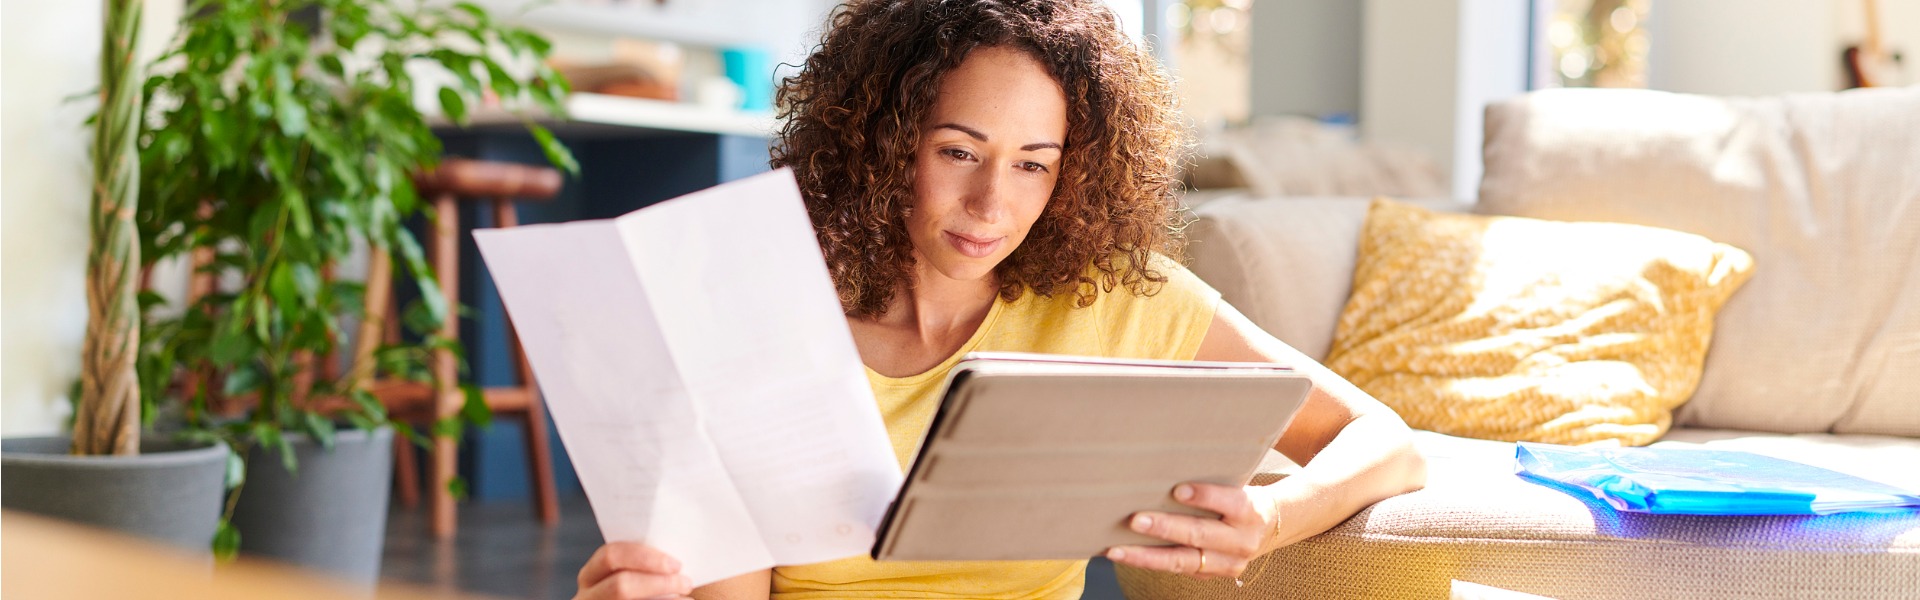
(1816, 359)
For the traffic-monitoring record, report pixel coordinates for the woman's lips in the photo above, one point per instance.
(973, 246)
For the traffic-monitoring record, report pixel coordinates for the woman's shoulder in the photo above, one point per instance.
(1116, 282)
(1164, 316)
(1117, 278)
(1160, 275)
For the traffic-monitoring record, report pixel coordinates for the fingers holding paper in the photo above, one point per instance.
(631, 570)
(1203, 547)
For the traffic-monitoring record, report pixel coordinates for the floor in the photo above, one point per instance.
(502, 551)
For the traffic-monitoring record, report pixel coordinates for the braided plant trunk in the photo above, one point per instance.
(107, 420)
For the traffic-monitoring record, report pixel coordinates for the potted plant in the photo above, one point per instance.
(105, 474)
(283, 141)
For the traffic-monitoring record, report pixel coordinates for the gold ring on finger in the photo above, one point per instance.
(1203, 561)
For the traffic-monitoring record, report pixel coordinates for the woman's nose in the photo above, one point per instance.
(987, 202)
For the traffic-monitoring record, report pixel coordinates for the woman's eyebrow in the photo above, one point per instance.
(976, 134)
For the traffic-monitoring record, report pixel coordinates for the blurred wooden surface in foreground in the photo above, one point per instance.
(54, 560)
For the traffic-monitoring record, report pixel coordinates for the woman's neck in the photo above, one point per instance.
(936, 307)
(925, 323)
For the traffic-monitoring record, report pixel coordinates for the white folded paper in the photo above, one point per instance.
(696, 360)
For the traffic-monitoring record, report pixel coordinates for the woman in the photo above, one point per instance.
(996, 175)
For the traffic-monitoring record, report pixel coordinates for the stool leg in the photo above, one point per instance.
(540, 458)
(406, 469)
(445, 464)
(447, 396)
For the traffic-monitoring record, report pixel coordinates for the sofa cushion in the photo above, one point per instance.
(1822, 189)
(1477, 521)
(1293, 156)
(1526, 330)
(1285, 263)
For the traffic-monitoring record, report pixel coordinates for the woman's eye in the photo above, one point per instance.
(957, 154)
(1033, 167)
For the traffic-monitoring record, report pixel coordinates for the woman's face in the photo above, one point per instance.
(988, 157)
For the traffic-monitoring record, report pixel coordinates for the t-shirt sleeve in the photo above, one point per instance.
(1166, 325)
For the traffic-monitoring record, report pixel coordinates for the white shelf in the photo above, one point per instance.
(598, 112)
(655, 114)
(712, 23)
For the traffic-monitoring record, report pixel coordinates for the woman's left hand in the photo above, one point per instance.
(1204, 547)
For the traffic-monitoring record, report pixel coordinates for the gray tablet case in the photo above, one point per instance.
(1044, 457)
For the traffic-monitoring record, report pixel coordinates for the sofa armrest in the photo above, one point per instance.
(1286, 263)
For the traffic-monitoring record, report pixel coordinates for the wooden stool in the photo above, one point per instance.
(498, 184)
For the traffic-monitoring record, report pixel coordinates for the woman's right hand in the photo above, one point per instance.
(630, 571)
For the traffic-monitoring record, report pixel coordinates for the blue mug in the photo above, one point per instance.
(752, 70)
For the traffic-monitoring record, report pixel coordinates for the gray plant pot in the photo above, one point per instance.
(330, 514)
(169, 493)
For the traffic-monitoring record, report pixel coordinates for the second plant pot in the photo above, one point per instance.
(329, 514)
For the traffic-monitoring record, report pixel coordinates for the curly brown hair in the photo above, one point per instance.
(853, 117)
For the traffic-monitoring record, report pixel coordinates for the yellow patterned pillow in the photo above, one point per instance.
(1519, 329)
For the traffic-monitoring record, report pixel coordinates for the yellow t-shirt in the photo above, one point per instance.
(1167, 325)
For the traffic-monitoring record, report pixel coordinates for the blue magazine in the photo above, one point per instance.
(1685, 481)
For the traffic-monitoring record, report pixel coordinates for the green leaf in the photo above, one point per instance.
(556, 153)
(198, 437)
(544, 94)
(546, 74)
(457, 487)
(416, 261)
(418, 318)
(407, 431)
(321, 429)
(173, 146)
(263, 224)
(306, 280)
(291, 115)
(405, 199)
(455, 107)
(349, 25)
(279, 162)
(265, 434)
(475, 409)
(448, 427)
(241, 380)
(269, 436)
(502, 83)
(262, 322)
(287, 458)
(369, 405)
(149, 299)
(236, 470)
(410, 252)
(218, 128)
(297, 205)
(401, 362)
(226, 541)
(538, 45)
(479, 14)
(287, 109)
(231, 343)
(361, 422)
(237, 430)
(280, 285)
(332, 66)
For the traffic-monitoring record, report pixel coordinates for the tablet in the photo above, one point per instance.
(1035, 457)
